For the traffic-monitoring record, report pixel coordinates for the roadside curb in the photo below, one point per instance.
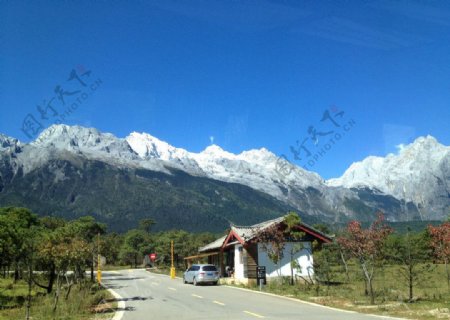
(310, 303)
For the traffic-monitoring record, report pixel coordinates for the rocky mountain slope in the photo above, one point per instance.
(420, 174)
(72, 170)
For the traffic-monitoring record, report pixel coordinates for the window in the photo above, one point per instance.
(209, 268)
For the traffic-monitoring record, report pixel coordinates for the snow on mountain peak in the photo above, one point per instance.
(421, 143)
(257, 155)
(212, 161)
(60, 134)
(148, 146)
(430, 140)
(411, 174)
(7, 142)
(86, 141)
(217, 152)
(256, 168)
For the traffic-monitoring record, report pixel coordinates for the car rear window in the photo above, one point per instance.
(209, 268)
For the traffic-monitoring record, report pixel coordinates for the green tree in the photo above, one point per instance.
(322, 228)
(410, 253)
(146, 224)
(110, 245)
(70, 251)
(30, 247)
(15, 225)
(19, 230)
(52, 227)
(132, 247)
(87, 228)
(324, 260)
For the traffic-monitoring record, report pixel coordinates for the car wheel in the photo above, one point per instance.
(194, 281)
(215, 283)
(184, 280)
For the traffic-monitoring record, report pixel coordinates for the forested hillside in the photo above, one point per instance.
(121, 197)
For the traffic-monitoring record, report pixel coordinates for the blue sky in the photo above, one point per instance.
(251, 74)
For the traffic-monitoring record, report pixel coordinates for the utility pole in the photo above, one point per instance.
(172, 268)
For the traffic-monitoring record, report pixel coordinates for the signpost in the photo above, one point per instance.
(261, 276)
(102, 261)
(152, 257)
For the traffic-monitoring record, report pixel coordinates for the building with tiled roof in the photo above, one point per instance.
(240, 251)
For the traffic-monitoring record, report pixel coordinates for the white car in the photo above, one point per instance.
(201, 273)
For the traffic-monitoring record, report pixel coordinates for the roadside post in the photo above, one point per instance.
(261, 276)
(172, 268)
(99, 271)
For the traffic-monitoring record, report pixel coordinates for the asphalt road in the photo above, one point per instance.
(145, 295)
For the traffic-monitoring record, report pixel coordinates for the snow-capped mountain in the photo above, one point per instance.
(72, 171)
(66, 153)
(85, 140)
(63, 141)
(147, 146)
(419, 173)
(255, 168)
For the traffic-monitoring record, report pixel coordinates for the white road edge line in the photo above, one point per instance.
(170, 288)
(218, 302)
(120, 304)
(197, 296)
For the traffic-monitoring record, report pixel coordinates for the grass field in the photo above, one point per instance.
(85, 301)
(432, 296)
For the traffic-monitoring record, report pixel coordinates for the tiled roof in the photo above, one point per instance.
(249, 232)
(246, 233)
(213, 245)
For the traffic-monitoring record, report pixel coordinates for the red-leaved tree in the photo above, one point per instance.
(366, 245)
(440, 243)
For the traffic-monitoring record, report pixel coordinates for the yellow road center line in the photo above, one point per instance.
(197, 296)
(218, 302)
(173, 289)
(254, 314)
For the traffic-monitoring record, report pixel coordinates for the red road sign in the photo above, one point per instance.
(152, 256)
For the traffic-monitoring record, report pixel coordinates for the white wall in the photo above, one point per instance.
(283, 268)
(238, 266)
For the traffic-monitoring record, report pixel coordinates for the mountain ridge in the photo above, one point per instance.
(297, 189)
(419, 173)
